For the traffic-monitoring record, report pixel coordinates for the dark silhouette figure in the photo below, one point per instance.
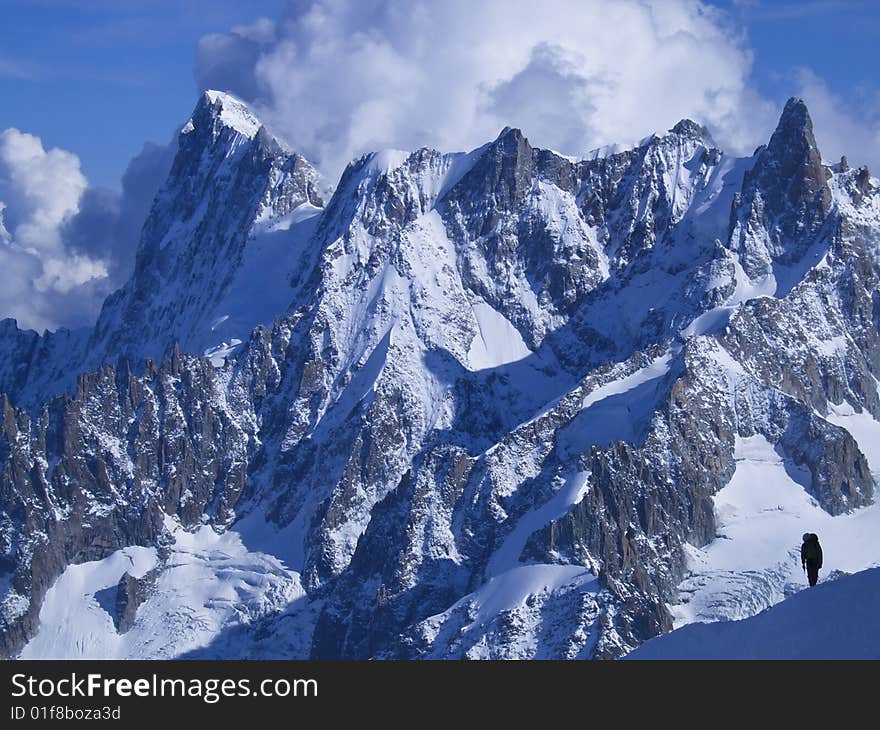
(811, 557)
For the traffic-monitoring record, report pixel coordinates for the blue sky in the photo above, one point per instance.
(837, 39)
(101, 77)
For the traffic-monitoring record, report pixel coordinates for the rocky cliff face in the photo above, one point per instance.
(499, 395)
(215, 222)
(785, 198)
(228, 175)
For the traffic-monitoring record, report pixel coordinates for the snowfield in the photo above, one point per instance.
(761, 514)
(209, 584)
(838, 619)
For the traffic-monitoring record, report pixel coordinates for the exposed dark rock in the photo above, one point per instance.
(785, 197)
(131, 592)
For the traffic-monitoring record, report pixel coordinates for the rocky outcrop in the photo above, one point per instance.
(131, 592)
(100, 470)
(785, 198)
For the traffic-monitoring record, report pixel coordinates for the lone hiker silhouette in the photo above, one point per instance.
(811, 557)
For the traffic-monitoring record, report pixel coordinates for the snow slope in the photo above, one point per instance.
(516, 615)
(755, 560)
(497, 341)
(74, 620)
(260, 287)
(835, 620)
(209, 583)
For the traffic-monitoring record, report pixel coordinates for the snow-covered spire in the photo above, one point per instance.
(785, 197)
(690, 129)
(228, 176)
(502, 173)
(222, 109)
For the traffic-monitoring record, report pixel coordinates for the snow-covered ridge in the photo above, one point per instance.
(762, 512)
(835, 620)
(384, 161)
(234, 113)
(205, 584)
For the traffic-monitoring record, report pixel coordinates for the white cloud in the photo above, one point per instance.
(64, 275)
(40, 189)
(228, 59)
(108, 225)
(64, 246)
(842, 127)
(44, 284)
(339, 78)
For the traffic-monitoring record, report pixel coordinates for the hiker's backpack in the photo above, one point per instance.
(811, 548)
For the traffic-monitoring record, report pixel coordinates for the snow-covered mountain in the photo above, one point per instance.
(500, 403)
(838, 620)
(219, 253)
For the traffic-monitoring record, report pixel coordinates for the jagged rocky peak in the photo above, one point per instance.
(224, 142)
(229, 176)
(229, 122)
(505, 169)
(690, 129)
(503, 174)
(384, 191)
(388, 189)
(785, 197)
(217, 110)
(794, 155)
(863, 179)
(512, 136)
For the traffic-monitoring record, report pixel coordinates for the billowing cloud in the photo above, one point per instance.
(227, 60)
(65, 246)
(39, 191)
(850, 128)
(108, 225)
(339, 78)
